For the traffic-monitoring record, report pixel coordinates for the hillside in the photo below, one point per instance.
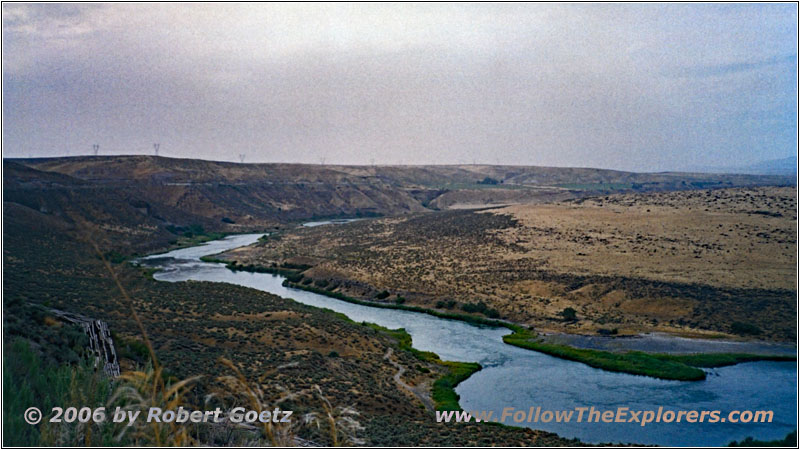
(683, 262)
(223, 196)
(51, 223)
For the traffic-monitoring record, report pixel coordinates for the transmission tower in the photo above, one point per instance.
(95, 148)
(156, 147)
(241, 158)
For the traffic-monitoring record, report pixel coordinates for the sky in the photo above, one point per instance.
(642, 87)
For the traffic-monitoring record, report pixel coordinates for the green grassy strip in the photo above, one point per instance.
(184, 242)
(637, 363)
(404, 343)
(657, 365)
(283, 271)
(444, 393)
(475, 320)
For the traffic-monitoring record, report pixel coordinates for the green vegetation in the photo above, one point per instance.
(115, 257)
(192, 235)
(488, 180)
(404, 342)
(28, 380)
(569, 314)
(286, 270)
(480, 307)
(382, 295)
(475, 320)
(637, 363)
(789, 441)
(59, 343)
(664, 366)
(444, 394)
(744, 328)
(130, 348)
(446, 304)
(657, 365)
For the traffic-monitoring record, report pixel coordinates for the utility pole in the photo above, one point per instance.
(241, 158)
(95, 148)
(156, 147)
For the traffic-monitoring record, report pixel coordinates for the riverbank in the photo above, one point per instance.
(506, 378)
(443, 393)
(656, 365)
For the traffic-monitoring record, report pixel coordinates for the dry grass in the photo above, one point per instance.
(682, 262)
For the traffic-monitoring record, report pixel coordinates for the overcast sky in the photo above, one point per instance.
(624, 86)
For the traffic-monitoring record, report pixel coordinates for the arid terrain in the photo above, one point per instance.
(706, 262)
(224, 196)
(617, 247)
(51, 222)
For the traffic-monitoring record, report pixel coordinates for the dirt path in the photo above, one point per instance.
(422, 392)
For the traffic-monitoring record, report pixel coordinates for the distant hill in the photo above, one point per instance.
(783, 166)
(139, 199)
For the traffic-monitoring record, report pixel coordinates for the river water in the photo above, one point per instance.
(518, 378)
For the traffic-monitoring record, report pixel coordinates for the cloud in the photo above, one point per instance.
(563, 84)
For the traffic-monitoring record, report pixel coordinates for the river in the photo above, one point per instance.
(514, 377)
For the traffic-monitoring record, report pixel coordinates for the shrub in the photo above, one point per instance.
(400, 300)
(446, 304)
(382, 295)
(789, 441)
(744, 328)
(480, 307)
(569, 313)
(295, 278)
